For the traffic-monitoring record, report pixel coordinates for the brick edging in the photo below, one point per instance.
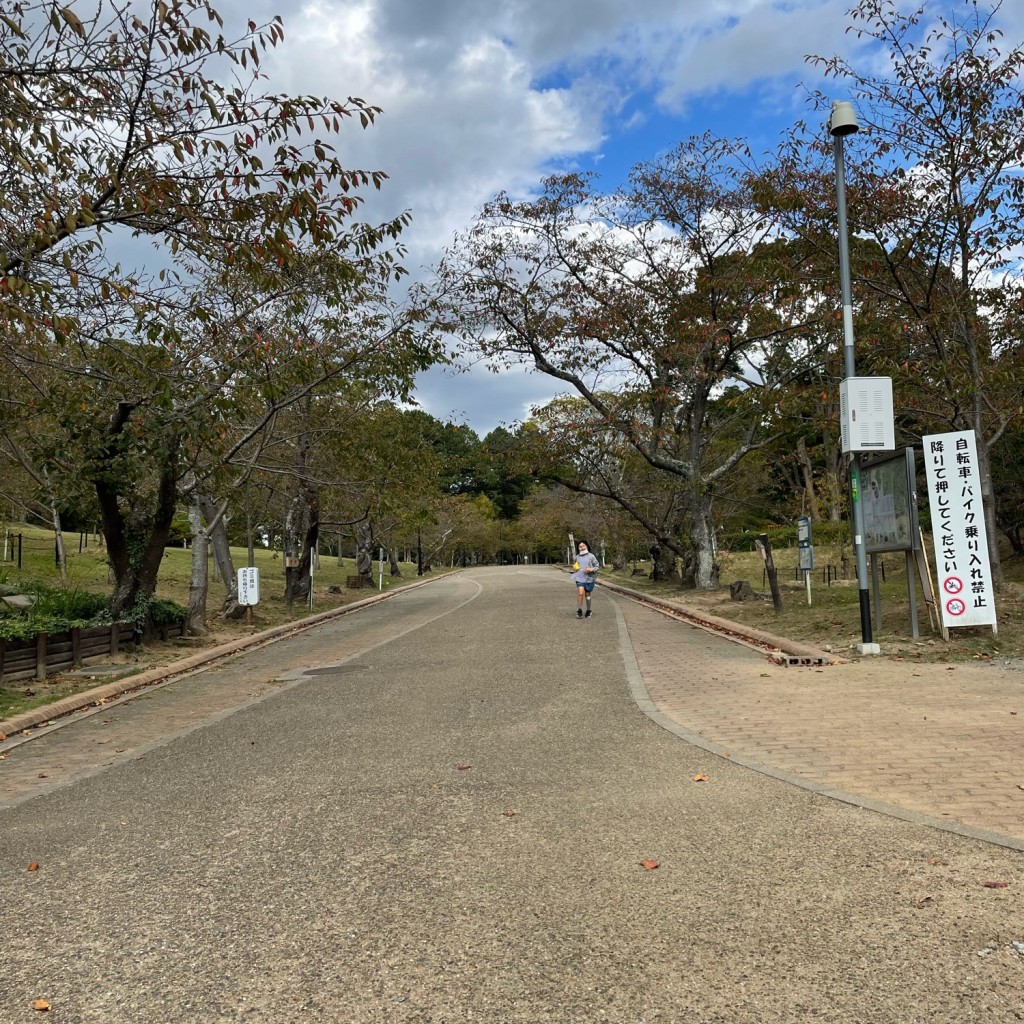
(46, 713)
(714, 622)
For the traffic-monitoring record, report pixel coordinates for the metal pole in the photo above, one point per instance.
(312, 561)
(850, 367)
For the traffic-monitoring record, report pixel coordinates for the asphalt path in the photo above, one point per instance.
(439, 809)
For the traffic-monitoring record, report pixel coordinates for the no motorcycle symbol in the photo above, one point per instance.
(952, 584)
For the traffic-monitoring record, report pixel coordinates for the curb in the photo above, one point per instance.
(46, 713)
(791, 652)
(644, 703)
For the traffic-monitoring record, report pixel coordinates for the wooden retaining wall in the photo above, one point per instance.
(46, 655)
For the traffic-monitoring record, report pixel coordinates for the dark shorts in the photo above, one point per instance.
(588, 586)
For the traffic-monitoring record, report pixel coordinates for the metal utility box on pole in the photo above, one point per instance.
(866, 420)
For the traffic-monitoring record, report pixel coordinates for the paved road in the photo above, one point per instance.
(445, 821)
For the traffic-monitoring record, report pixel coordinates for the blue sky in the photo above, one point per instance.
(488, 95)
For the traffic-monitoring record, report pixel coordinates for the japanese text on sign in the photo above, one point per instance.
(958, 529)
(248, 586)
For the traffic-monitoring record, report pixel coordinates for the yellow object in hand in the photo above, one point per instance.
(575, 565)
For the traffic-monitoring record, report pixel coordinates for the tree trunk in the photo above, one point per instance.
(807, 474)
(135, 545)
(764, 545)
(218, 535)
(1012, 532)
(249, 538)
(364, 550)
(393, 564)
(198, 587)
(58, 535)
(835, 470)
(310, 538)
(702, 536)
(663, 565)
(290, 548)
(988, 499)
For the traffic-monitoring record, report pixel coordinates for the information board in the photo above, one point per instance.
(888, 493)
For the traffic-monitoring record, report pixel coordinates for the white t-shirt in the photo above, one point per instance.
(586, 560)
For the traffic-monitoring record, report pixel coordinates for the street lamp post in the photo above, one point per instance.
(843, 122)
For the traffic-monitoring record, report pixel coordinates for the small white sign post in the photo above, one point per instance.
(965, 594)
(248, 590)
(803, 540)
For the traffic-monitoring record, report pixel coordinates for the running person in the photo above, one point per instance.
(584, 577)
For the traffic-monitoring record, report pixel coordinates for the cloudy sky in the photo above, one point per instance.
(488, 95)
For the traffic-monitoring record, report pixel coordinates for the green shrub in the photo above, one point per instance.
(165, 612)
(67, 604)
(57, 610)
(29, 627)
(53, 610)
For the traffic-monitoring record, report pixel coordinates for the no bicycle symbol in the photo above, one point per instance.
(955, 606)
(952, 584)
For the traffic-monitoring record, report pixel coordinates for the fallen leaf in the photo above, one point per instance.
(463, 767)
(41, 1004)
(700, 778)
(726, 754)
(996, 885)
(43, 775)
(922, 903)
(509, 814)
(648, 865)
(34, 866)
(935, 860)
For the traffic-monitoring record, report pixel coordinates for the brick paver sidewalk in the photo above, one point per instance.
(945, 742)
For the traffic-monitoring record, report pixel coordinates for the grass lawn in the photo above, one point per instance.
(832, 619)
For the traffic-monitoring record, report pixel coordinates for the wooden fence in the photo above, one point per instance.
(27, 659)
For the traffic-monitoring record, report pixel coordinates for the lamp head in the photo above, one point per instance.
(843, 120)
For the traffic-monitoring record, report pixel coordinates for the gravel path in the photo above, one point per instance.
(450, 826)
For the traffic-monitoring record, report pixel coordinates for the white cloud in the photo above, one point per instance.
(482, 398)
(481, 97)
